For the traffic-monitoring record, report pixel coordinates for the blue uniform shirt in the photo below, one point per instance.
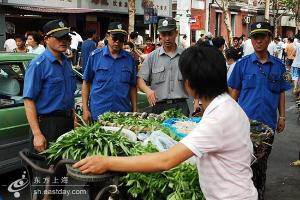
(111, 80)
(49, 84)
(86, 48)
(260, 86)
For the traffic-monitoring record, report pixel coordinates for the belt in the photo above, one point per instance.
(58, 113)
(171, 101)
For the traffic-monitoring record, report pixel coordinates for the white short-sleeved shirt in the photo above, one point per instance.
(296, 62)
(38, 50)
(223, 149)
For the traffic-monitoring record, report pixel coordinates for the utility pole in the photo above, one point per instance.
(267, 11)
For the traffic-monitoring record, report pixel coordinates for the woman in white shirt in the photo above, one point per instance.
(221, 141)
(33, 42)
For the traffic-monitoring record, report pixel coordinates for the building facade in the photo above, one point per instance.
(19, 16)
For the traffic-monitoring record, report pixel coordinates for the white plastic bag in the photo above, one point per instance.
(161, 140)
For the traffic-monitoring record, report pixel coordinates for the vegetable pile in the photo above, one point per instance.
(131, 122)
(173, 113)
(178, 183)
(89, 140)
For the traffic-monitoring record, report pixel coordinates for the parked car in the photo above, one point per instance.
(14, 128)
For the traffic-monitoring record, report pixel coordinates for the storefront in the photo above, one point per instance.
(19, 16)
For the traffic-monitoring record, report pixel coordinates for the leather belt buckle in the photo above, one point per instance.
(170, 101)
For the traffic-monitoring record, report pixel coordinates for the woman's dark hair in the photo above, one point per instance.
(36, 36)
(21, 37)
(205, 68)
(232, 53)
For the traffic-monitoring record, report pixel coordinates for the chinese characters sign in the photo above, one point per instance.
(121, 6)
(57, 3)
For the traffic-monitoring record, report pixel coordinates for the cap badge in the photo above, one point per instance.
(165, 23)
(119, 26)
(61, 24)
(258, 25)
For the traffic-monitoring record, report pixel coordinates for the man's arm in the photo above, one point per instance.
(281, 109)
(86, 86)
(133, 98)
(151, 95)
(234, 93)
(163, 161)
(39, 141)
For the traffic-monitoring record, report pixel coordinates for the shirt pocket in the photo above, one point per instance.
(274, 83)
(249, 81)
(125, 75)
(55, 85)
(158, 75)
(102, 74)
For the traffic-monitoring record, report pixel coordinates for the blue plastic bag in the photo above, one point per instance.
(171, 121)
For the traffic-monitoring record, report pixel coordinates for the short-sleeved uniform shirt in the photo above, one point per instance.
(111, 80)
(86, 48)
(223, 149)
(260, 86)
(49, 84)
(162, 73)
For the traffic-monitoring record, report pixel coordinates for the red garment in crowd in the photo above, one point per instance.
(148, 49)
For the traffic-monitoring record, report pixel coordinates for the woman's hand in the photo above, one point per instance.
(92, 165)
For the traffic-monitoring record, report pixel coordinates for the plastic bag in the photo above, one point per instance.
(161, 140)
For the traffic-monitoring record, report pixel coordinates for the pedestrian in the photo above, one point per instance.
(219, 43)
(49, 88)
(258, 82)
(296, 65)
(10, 43)
(149, 46)
(232, 57)
(87, 47)
(160, 70)
(236, 45)
(75, 46)
(222, 147)
(20, 42)
(137, 55)
(109, 79)
(290, 53)
(33, 41)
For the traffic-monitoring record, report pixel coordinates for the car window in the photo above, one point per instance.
(11, 84)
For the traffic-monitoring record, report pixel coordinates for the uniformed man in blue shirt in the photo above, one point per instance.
(49, 88)
(109, 79)
(258, 82)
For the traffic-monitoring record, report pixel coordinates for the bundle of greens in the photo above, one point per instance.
(173, 113)
(89, 140)
(180, 182)
(130, 122)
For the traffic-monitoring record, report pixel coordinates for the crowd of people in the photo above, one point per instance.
(242, 82)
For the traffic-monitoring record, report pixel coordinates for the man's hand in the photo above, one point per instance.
(151, 96)
(92, 165)
(280, 124)
(39, 142)
(87, 117)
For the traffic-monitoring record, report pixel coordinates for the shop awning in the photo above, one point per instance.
(58, 10)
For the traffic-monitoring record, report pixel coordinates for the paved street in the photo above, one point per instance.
(283, 181)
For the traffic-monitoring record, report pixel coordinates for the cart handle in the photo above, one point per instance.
(25, 154)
